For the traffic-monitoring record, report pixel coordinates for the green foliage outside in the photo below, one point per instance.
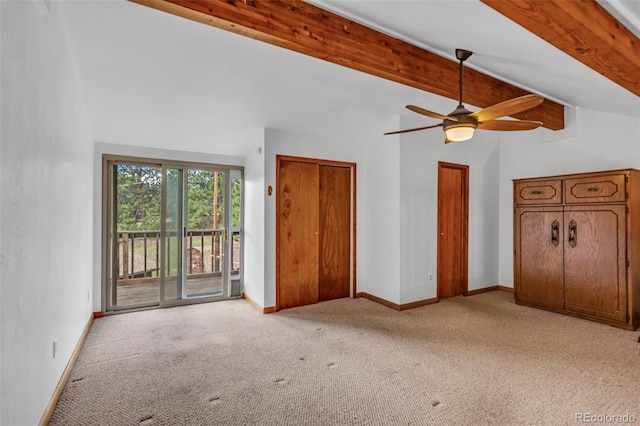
(139, 194)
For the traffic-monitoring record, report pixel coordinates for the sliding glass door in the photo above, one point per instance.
(168, 233)
(134, 234)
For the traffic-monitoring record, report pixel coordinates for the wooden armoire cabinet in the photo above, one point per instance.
(577, 245)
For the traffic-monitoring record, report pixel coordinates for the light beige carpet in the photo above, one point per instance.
(464, 361)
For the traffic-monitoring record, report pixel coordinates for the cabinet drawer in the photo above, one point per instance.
(597, 189)
(538, 192)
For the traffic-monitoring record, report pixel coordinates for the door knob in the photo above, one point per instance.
(442, 233)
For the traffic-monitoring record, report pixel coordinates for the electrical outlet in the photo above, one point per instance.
(55, 347)
(430, 277)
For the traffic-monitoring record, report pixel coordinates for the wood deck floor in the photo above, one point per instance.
(149, 292)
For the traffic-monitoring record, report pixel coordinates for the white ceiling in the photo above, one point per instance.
(154, 79)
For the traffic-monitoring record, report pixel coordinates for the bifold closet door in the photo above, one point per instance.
(314, 233)
(298, 235)
(335, 208)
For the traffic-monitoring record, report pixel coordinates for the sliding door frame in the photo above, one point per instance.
(108, 249)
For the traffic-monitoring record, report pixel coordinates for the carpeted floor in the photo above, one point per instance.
(464, 361)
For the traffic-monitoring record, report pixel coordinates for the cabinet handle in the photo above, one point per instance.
(593, 189)
(573, 234)
(536, 192)
(555, 231)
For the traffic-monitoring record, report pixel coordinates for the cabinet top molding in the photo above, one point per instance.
(570, 175)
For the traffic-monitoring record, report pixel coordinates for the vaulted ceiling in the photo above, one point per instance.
(139, 65)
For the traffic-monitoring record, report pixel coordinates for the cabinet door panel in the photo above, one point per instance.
(539, 255)
(595, 261)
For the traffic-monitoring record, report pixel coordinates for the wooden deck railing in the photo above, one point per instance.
(139, 253)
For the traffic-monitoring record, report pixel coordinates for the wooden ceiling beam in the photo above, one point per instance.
(584, 30)
(308, 29)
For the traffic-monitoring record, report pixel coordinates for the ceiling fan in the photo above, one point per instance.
(460, 124)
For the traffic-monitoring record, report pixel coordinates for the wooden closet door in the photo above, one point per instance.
(539, 262)
(453, 210)
(335, 235)
(595, 261)
(298, 239)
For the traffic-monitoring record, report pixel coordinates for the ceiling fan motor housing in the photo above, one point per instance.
(462, 127)
(463, 119)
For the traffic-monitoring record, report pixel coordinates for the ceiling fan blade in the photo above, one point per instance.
(512, 106)
(430, 113)
(509, 125)
(413, 130)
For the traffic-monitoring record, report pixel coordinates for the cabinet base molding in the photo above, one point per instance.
(622, 325)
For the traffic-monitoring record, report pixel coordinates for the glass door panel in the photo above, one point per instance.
(134, 275)
(235, 232)
(205, 233)
(173, 260)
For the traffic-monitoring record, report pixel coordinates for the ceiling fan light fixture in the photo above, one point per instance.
(460, 132)
(460, 124)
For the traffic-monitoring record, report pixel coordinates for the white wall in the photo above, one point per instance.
(45, 192)
(255, 198)
(420, 153)
(592, 141)
(379, 218)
